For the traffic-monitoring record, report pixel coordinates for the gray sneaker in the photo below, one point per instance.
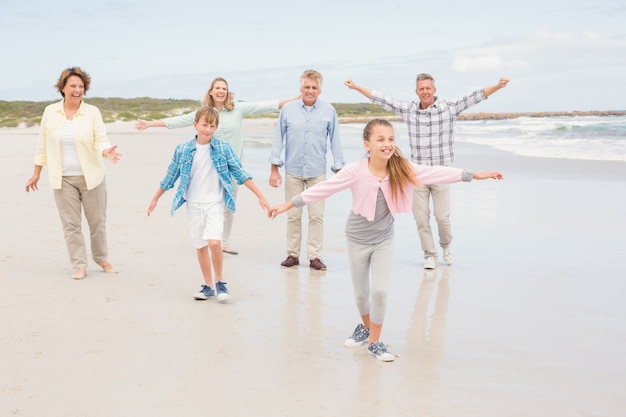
(359, 337)
(205, 293)
(430, 263)
(379, 350)
(448, 256)
(222, 291)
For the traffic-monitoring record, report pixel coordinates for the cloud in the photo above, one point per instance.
(485, 62)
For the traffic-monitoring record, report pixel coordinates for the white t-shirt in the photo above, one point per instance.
(71, 164)
(204, 183)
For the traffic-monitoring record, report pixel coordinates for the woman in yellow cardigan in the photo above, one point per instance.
(73, 144)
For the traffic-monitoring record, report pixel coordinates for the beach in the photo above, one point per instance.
(528, 321)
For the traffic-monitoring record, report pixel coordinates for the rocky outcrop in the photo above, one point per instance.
(495, 116)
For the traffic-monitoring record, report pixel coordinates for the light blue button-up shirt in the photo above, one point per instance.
(306, 133)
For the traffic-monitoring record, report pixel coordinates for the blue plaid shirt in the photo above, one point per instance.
(226, 164)
(431, 131)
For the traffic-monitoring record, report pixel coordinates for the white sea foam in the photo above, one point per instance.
(578, 137)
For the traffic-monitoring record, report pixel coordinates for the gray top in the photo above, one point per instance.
(361, 230)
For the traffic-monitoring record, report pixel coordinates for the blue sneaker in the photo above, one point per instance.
(379, 350)
(359, 337)
(205, 293)
(222, 291)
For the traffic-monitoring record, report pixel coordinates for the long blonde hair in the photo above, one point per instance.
(229, 104)
(401, 173)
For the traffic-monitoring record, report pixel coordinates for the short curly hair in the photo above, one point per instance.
(67, 73)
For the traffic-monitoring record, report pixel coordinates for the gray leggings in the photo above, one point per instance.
(370, 297)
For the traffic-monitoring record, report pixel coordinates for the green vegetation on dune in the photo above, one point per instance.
(28, 113)
(14, 113)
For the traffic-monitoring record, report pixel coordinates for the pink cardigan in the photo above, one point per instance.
(357, 177)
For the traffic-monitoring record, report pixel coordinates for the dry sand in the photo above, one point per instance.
(529, 321)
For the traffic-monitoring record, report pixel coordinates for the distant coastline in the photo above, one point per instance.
(497, 116)
(26, 114)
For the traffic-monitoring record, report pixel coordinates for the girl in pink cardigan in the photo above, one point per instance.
(381, 186)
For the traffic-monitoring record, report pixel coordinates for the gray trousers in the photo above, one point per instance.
(229, 216)
(370, 295)
(71, 199)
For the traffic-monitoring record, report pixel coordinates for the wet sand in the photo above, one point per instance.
(528, 321)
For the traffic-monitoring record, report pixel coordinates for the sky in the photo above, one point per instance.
(559, 55)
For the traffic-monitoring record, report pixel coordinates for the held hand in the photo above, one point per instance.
(276, 210)
(141, 124)
(112, 154)
(486, 175)
(152, 206)
(32, 184)
(276, 180)
(263, 202)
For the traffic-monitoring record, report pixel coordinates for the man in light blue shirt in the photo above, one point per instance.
(306, 126)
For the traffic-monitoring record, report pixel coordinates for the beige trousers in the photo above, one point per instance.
(315, 236)
(71, 199)
(440, 194)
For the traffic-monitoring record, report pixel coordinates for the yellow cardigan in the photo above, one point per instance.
(91, 140)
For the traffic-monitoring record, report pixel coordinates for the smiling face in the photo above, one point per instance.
(219, 91)
(205, 130)
(426, 92)
(310, 90)
(74, 89)
(380, 142)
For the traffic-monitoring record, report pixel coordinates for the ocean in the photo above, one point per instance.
(601, 138)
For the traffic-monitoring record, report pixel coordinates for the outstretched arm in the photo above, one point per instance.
(144, 124)
(501, 84)
(486, 175)
(284, 101)
(365, 91)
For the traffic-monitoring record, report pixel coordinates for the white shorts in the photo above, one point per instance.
(206, 222)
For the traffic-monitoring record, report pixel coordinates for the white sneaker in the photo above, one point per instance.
(379, 350)
(431, 263)
(448, 256)
(222, 291)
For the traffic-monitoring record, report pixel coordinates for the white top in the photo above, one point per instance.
(204, 183)
(70, 164)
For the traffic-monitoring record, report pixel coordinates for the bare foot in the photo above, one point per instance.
(79, 273)
(108, 268)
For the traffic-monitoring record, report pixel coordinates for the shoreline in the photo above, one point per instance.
(534, 299)
(395, 118)
(495, 116)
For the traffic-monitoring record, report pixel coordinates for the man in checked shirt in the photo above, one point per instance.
(431, 135)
